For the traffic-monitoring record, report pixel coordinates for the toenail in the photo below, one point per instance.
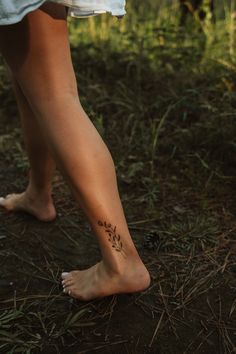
(69, 292)
(64, 274)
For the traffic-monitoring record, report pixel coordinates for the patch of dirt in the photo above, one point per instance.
(179, 313)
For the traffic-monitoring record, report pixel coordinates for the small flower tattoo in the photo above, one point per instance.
(113, 237)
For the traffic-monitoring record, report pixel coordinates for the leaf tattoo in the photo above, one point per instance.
(113, 237)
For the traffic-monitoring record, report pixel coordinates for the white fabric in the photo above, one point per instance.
(85, 8)
(13, 11)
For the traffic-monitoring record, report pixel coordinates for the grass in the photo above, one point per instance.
(163, 98)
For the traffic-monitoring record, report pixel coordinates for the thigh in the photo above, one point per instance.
(37, 51)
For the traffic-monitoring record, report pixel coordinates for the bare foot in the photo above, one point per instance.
(41, 209)
(96, 281)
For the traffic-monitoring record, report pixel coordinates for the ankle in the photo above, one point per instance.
(118, 267)
(43, 194)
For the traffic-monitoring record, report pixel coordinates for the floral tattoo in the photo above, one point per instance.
(113, 237)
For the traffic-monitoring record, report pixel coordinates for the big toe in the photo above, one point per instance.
(65, 275)
(7, 202)
(2, 201)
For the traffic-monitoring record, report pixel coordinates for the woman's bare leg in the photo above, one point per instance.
(44, 70)
(37, 199)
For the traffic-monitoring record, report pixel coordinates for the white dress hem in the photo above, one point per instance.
(77, 8)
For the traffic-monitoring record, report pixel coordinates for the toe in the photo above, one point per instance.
(10, 195)
(67, 290)
(72, 293)
(66, 282)
(64, 275)
(3, 203)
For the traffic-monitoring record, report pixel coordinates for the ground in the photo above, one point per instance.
(190, 305)
(168, 117)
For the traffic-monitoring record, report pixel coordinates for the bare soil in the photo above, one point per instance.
(189, 249)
